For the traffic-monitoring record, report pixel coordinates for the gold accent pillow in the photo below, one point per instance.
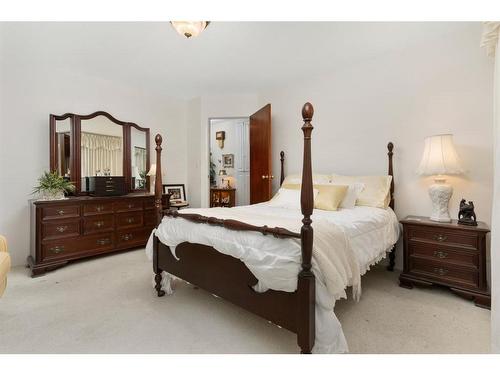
(329, 196)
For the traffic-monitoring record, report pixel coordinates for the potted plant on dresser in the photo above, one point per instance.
(51, 186)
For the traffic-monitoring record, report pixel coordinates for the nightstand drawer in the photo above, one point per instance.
(444, 273)
(444, 253)
(443, 235)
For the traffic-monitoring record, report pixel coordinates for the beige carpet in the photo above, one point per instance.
(107, 305)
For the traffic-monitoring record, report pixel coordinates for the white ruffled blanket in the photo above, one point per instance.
(276, 262)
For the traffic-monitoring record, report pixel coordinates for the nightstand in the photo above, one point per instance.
(446, 254)
(222, 197)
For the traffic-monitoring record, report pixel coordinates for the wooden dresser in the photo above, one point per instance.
(446, 254)
(84, 226)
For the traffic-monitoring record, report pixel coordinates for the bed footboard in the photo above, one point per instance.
(228, 278)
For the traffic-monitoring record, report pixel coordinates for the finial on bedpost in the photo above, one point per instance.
(158, 182)
(282, 160)
(306, 287)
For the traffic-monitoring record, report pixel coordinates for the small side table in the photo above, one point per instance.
(447, 254)
(220, 197)
(179, 205)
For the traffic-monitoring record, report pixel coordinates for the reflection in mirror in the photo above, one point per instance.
(138, 158)
(101, 148)
(63, 147)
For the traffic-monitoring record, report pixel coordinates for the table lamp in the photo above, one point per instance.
(152, 176)
(439, 159)
(222, 172)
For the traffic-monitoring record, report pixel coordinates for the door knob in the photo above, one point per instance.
(272, 177)
(264, 177)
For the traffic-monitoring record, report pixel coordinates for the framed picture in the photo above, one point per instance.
(177, 191)
(228, 160)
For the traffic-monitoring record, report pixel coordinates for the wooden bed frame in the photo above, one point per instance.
(229, 278)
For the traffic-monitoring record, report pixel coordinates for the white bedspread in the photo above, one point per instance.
(346, 243)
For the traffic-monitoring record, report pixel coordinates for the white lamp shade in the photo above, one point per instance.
(189, 28)
(440, 157)
(152, 170)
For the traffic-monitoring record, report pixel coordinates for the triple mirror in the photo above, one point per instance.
(98, 144)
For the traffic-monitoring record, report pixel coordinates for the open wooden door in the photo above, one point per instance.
(260, 155)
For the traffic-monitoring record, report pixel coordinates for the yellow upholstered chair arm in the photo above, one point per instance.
(3, 244)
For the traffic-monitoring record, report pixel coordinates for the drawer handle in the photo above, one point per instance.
(440, 254)
(130, 220)
(56, 249)
(62, 228)
(99, 224)
(99, 208)
(127, 237)
(440, 271)
(440, 237)
(60, 212)
(103, 241)
(130, 205)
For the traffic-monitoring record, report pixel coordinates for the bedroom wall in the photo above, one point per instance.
(30, 92)
(440, 87)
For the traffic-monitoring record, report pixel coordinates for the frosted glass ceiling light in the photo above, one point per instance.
(189, 28)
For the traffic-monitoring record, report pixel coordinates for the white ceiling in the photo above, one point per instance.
(227, 57)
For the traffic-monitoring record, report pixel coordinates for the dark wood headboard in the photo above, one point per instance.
(390, 172)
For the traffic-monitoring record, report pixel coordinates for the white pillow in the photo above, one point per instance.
(351, 195)
(376, 192)
(288, 198)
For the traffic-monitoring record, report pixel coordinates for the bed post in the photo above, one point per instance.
(392, 254)
(158, 182)
(306, 291)
(282, 160)
(159, 215)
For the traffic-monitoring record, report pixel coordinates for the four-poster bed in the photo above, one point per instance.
(228, 277)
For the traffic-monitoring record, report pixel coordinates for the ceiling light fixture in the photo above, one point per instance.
(189, 28)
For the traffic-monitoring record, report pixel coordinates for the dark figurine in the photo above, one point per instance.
(466, 214)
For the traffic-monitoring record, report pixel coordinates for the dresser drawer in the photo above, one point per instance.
(132, 237)
(149, 203)
(60, 212)
(59, 248)
(99, 242)
(444, 236)
(129, 219)
(128, 205)
(150, 218)
(444, 253)
(97, 208)
(98, 224)
(60, 229)
(444, 273)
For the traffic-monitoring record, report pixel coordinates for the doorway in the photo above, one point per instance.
(240, 160)
(230, 161)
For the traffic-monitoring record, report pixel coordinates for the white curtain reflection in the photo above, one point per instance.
(100, 153)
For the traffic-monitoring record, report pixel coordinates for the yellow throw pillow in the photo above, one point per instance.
(328, 198)
(375, 193)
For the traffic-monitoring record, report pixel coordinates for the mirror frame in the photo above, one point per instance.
(75, 139)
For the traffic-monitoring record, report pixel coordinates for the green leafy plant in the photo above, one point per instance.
(51, 182)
